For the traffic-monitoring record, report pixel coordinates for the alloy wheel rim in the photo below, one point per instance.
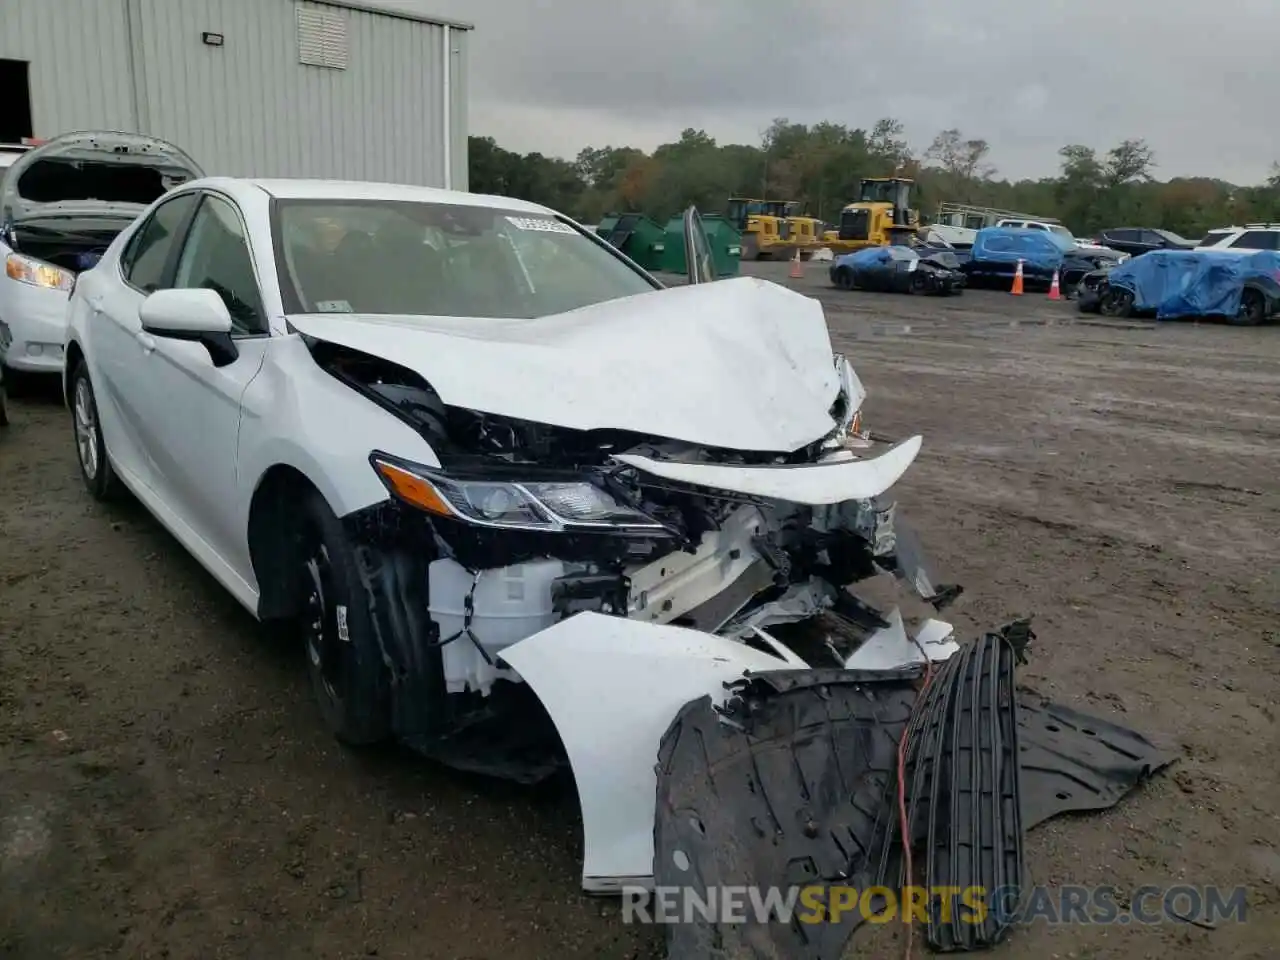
(324, 646)
(86, 423)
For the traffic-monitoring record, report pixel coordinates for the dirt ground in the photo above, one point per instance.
(166, 789)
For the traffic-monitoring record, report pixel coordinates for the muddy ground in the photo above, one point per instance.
(166, 789)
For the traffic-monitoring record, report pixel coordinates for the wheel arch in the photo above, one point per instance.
(73, 359)
(272, 538)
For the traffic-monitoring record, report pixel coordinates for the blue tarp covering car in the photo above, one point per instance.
(1197, 283)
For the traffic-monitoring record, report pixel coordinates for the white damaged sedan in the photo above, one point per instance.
(523, 501)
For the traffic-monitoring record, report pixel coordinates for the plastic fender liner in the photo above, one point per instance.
(974, 818)
(783, 789)
(1074, 762)
(392, 557)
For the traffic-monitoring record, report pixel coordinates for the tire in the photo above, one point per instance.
(17, 382)
(4, 406)
(919, 284)
(1115, 303)
(1253, 309)
(91, 448)
(844, 278)
(344, 660)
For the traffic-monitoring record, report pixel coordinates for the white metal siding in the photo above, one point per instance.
(460, 96)
(78, 51)
(249, 107)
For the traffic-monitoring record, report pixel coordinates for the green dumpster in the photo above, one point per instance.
(722, 235)
(636, 235)
(726, 244)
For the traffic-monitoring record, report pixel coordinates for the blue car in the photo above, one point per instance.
(997, 250)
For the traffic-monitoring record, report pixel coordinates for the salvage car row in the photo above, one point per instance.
(997, 254)
(1223, 279)
(419, 425)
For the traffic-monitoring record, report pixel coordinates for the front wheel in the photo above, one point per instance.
(4, 406)
(1253, 309)
(844, 278)
(1115, 303)
(344, 659)
(91, 448)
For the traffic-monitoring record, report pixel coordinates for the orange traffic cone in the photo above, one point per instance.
(1017, 281)
(1055, 289)
(797, 270)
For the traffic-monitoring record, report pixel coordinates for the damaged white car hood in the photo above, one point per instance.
(740, 364)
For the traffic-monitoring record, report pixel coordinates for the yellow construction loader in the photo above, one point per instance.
(882, 215)
(773, 229)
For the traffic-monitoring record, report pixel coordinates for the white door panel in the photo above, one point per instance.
(113, 317)
(120, 344)
(194, 443)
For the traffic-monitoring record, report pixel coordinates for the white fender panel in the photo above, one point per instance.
(612, 686)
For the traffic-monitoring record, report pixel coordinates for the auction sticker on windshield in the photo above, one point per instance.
(541, 224)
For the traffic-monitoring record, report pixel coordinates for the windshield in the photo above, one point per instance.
(433, 259)
(1172, 237)
(1063, 232)
(877, 191)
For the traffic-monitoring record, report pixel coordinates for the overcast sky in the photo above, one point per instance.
(1197, 79)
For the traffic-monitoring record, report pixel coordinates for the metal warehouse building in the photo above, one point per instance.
(287, 88)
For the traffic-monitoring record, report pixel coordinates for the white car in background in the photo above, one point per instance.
(484, 461)
(61, 205)
(1250, 238)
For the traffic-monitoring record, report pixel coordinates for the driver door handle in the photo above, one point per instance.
(145, 340)
(96, 303)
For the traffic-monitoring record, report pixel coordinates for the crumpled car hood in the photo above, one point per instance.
(740, 364)
(101, 146)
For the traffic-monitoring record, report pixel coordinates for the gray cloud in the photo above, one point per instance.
(1195, 79)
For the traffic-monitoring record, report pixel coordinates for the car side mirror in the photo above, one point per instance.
(193, 314)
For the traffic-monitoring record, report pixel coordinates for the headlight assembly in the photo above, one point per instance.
(37, 273)
(550, 506)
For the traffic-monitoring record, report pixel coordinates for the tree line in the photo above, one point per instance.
(820, 166)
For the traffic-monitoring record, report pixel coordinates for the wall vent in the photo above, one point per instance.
(322, 38)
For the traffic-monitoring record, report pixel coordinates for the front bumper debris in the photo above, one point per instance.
(962, 767)
(792, 785)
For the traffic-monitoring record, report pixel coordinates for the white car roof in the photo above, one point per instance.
(360, 190)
